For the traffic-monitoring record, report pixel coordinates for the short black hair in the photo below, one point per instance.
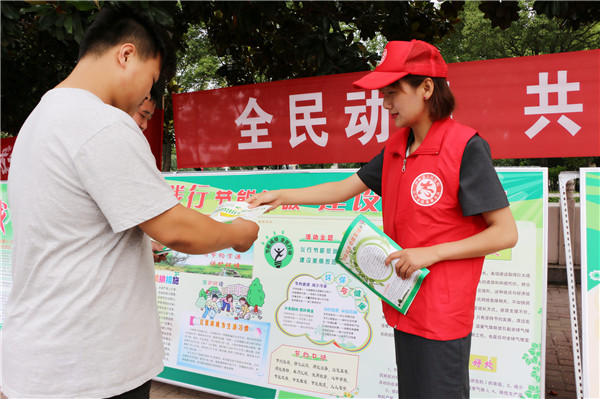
(442, 102)
(118, 24)
(156, 95)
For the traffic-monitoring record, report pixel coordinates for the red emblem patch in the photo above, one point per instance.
(383, 57)
(426, 189)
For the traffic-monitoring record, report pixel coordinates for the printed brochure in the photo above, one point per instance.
(228, 211)
(363, 251)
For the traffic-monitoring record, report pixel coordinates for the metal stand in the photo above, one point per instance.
(563, 179)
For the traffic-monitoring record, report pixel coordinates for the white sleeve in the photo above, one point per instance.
(118, 170)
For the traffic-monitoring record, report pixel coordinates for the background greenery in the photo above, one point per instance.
(224, 43)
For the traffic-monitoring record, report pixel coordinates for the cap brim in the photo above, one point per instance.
(378, 80)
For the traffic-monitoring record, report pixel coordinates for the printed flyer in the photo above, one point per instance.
(363, 251)
(229, 211)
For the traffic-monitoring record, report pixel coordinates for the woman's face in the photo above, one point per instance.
(406, 104)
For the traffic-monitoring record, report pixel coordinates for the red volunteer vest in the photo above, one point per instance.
(421, 208)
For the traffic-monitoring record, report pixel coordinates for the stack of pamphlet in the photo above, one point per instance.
(363, 251)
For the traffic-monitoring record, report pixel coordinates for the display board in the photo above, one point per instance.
(6, 241)
(508, 346)
(284, 321)
(589, 184)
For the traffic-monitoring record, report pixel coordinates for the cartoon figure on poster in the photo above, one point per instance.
(244, 310)
(226, 303)
(210, 307)
(235, 301)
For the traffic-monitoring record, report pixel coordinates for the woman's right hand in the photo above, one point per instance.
(272, 198)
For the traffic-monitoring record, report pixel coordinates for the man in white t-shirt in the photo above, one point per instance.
(85, 196)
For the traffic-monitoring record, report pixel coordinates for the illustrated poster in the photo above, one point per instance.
(589, 181)
(283, 320)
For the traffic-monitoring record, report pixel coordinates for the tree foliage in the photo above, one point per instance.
(476, 38)
(255, 41)
(240, 42)
(40, 43)
(198, 64)
(533, 33)
(263, 41)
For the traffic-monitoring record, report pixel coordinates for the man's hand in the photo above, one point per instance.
(248, 233)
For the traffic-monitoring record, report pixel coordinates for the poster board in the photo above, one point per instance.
(589, 184)
(312, 330)
(508, 343)
(6, 241)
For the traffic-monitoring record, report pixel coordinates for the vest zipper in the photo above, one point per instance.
(417, 152)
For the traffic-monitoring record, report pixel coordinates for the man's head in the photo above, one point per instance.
(117, 25)
(140, 51)
(144, 113)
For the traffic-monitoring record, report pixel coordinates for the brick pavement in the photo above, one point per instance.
(560, 374)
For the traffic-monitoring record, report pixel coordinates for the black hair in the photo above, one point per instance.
(441, 103)
(120, 24)
(156, 95)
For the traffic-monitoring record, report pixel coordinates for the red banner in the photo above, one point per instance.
(528, 107)
(154, 135)
(543, 106)
(6, 147)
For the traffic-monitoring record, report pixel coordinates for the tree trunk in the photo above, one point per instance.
(166, 157)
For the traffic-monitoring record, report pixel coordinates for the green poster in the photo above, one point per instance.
(6, 243)
(284, 320)
(508, 341)
(590, 278)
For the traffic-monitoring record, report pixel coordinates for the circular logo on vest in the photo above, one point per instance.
(426, 189)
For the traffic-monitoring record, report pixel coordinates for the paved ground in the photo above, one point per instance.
(168, 391)
(560, 374)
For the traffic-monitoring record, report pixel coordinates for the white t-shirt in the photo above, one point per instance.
(81, 319)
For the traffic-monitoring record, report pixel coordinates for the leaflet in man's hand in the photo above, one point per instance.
(363, 251)
(228, 211)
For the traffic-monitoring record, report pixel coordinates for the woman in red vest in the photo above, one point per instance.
(442, 203)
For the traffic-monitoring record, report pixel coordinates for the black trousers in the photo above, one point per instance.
(141, 392)
(430, 369)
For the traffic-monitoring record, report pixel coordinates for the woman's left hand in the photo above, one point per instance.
(407, 261)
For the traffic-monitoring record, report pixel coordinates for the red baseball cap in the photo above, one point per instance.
(404, 58)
